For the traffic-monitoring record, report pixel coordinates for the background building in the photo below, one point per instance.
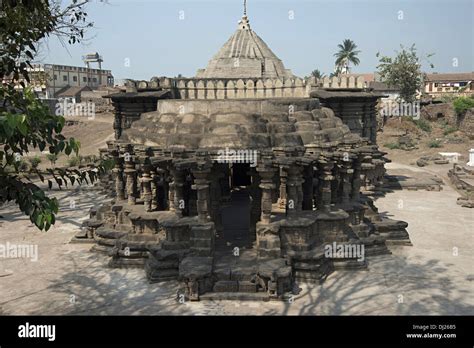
(437, 84)
(49, 80)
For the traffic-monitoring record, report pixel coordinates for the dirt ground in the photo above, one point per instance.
(454, 141)
(92, 133)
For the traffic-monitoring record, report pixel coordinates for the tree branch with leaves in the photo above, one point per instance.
(25, 123)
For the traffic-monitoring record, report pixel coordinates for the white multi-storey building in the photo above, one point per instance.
(48, 80)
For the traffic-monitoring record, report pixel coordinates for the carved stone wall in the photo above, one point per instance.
(194, 88)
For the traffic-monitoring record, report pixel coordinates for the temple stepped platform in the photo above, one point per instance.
(236, 265)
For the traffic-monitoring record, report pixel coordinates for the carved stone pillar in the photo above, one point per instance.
(283, 182)
(170, 186)
(201, 185)
(355, 194)
(267, 185)
(347, 173)
(294, 190)
(326, 183)
(316, 189)
(146, 187)
(117, 121)
(336, 185)
(154, 189)
(215, 196)
(131, 183)
(366, 172)
(177, 200)
(308, 188)
(119, 182)
(256, 203)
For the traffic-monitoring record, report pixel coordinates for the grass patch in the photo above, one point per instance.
(434, 144)
(449, 130)
(392, 146)
(75, 161)
(424, 125)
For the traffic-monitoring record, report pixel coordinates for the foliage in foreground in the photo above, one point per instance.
(25, 123)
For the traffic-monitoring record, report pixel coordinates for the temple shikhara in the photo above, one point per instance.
(300, 170)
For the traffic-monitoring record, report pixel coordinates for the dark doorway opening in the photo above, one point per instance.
(235, 221)
(240, 176)
(235, 213)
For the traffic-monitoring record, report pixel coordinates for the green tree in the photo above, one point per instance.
(462, 104)
(25, 123)
(403, 71)
(347, 54)
(317, 74)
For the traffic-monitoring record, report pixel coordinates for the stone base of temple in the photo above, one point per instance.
(311, 266)
(163, 264)
(462, 177)
(81, 238)
(291, 248)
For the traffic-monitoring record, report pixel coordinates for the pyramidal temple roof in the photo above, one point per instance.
(245, 55)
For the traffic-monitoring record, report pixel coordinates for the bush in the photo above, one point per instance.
(74, 161)
(449, 130)
(35, 162)
(424, 125)
(89, 159)
(462, 104)
(434, 144)
(392, 146)
(447, 97)
(52, 158)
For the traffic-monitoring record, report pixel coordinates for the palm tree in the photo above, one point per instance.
(317, 74)
(337, 71)
(347, 54)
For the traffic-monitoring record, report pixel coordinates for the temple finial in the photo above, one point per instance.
(244, 22)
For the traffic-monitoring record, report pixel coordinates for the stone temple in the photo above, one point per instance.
(238, 181)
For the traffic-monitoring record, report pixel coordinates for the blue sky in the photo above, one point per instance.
(156, 40)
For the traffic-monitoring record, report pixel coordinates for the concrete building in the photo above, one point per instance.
(48, 80)
(438, 84)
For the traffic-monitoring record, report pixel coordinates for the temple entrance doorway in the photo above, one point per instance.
(236, 213)
(240, 175)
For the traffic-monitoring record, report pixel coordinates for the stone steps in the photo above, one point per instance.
(201, 242)
(243, 286)
(200, 251)
(163, 264)
(234, 296)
